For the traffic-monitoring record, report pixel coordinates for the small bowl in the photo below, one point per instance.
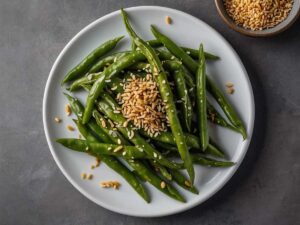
(292, 17)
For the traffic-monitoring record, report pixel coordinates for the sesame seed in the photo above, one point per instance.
(57, 119)
(83, 176)
(119, 148)
(168, 20)
(68, 110)
(163, 184)
(90, 176)
(70, 128)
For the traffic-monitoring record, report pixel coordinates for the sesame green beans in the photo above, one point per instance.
(211, 87)
(109, 73)
(166, 94)
(201, 100)
(130, 152)
(87, 62)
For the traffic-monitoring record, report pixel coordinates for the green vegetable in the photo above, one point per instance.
(191, 140)
(215, 117)
(201, 100)
(204, 161)
(108, 74)
(155, 180)
(226, 107)
(98, 148)
(166, 94)
(192, 52)
(88, 61)
(183, 97)
(162, 170)
(212, 88)
(181, 180)
(102, 63)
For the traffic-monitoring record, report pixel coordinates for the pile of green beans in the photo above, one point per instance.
(180, 74)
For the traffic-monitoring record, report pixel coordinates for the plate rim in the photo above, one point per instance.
(186, 206)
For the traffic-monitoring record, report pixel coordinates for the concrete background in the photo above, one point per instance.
(33, 190)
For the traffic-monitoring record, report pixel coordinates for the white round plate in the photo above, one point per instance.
(186, 30)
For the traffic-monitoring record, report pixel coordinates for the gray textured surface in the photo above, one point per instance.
(33, 190)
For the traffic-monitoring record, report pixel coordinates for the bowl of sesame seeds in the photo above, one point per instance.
(259, 18)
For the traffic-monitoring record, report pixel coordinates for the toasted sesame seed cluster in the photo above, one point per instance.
(142, 104)
(258, 14)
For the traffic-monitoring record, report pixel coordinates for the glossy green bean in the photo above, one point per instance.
(109, 73)
(191, 140)
(204, 161)
(183, 97)
(108, 60)
(99, 149)
(201, 100)
(155, 180)
(108, 130)
(166, 94)
(182, 181)
(192, 52)
(226, 107)
(215, 117)
(88, 61)
(161, 169)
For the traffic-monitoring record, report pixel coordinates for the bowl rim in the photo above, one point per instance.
(225, 17)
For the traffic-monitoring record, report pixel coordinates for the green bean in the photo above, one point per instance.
(192, 52)
(109, 73)
(195, 54)
(226, 107)
(176, 65)
(98, 148)
(165, 146)
(204, 161)
(106, 127)
(87, 62)
(215, 117)
(212, 88)
(110, 161)
(183, 97)
(84, 131)
(181, 180)
(107, 105)
(191, 140)
(166, 94)
(153, 179)
(102, 63)
(201, 100)
(161, 169)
